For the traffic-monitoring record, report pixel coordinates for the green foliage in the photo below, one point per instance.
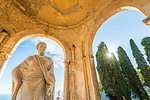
(131, 75)
(110, 75)
(141, 62)
(149, 95)
(140, 76)
(146, 43)
(100, 87)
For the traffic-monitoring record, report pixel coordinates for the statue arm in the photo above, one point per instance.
(50, 86)
(16, 82)
(17, 78)
(50, 78)
(51, 72)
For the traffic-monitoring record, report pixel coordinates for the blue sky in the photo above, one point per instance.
(28, 48)
(116, 31)
(119, 29)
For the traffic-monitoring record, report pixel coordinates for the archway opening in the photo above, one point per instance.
(28, 48)
(118, 30)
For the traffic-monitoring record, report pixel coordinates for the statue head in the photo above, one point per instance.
(41, 47)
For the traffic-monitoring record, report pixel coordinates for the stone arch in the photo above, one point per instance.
(99, 18)
(10, 46)
(92, 33)
(30, 34)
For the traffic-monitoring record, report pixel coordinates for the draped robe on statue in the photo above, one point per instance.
(37, 75)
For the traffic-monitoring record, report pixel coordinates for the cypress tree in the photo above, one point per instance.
(110, 75)
(146, 43)
(131, 75)
(140, 76)
(142, 64)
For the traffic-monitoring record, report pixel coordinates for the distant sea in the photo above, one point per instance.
(5, 96)
(8, 96)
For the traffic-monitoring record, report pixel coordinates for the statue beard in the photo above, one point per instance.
(41, 54)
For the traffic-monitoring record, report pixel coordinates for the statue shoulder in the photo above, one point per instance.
(49, 58)
(30, 58)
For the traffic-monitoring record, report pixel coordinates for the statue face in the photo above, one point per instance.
(42, 48)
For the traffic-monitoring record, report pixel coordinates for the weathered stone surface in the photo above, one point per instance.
(70, 23)
(34, 78)
(147, 21)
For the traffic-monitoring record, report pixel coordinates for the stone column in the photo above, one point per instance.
(77, 80)
(72, 74)
(83, 84)
(92, 78)
(66, 80)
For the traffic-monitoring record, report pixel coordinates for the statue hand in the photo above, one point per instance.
(49, 90)
(48, 94)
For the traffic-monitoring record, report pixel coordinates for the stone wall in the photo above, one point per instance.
(73, 24)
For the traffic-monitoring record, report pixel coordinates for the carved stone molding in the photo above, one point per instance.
(147, 21)
(3, 36)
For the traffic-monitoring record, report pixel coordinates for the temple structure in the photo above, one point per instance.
(71, 23)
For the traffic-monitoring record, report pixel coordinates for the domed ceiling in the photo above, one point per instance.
(59, 12)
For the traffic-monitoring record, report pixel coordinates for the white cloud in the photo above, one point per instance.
(35, 40)
(53, 48)
(57, 56)
(26, 46)
(59, 86)
(58, 61)
(5, 90)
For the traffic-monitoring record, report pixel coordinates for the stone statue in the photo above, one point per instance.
(59, 98)
(34, 79)
(59, 93)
